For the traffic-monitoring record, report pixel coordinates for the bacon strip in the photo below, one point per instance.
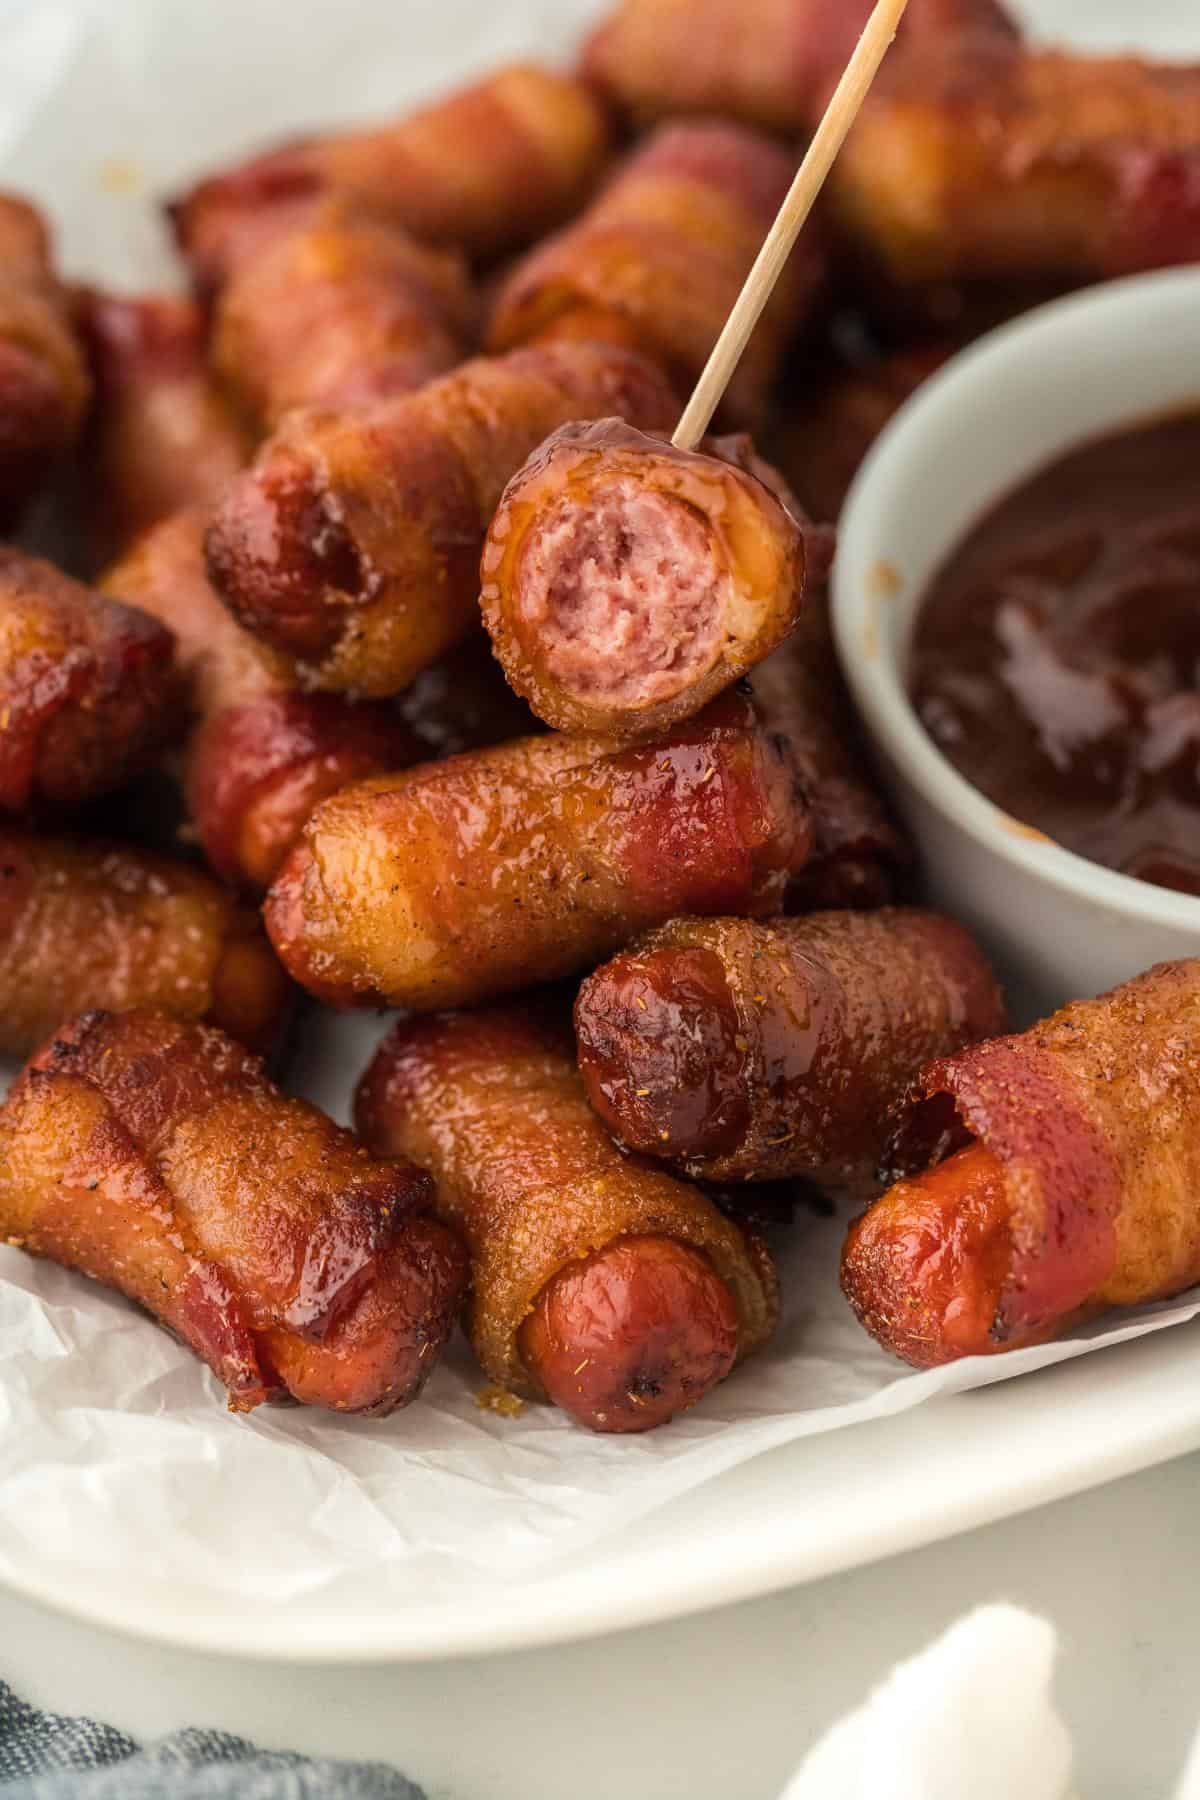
(338, 313)
(103, 925)
(483, 170)
(660, 258)
(1077, 1191)
(264, 751)
(354, 540)
(657, 57)
(162, 437)
(44, 387)
(860, 858)
(156, 1156)
(88, 691)
(986, 161)
(502, 869)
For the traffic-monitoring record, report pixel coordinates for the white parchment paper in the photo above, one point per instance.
(117, 1456)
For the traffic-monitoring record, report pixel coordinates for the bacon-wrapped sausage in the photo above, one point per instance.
(755, 1052)
(1047, 1177)
(264, 751)
(597, 1282)
(987, 161)
(859, 857)
(354, 540)
(162, 437)
(44, 388)
(155, 1156)
(497, 870)
(98, 925)
(88, 689)
(657, 57)
(626, 583)
(819, 443)
(338, 313)
(484, 170)
(659, 259)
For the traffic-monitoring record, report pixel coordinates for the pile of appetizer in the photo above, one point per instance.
(406, 664)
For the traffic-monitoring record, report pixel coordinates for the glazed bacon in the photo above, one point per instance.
(156, 1156)
(264, 752)
(986, 161)
(659, 259)
(102, 925)
(860, 859)
(484, 170)
(463, 880)
(161, 437)
(597, 1282)
(1044, 1178)
(44, 387)
(820, 443)
(741, 1051)
(338, 313)
(657, 57)
(626, 583)
(88, 690)
(353, 542)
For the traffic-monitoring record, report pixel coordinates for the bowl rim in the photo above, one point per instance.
(875, 682)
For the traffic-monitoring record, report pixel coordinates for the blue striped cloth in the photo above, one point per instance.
(46, 1757)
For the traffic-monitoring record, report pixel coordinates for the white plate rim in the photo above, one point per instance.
(1029, 1441)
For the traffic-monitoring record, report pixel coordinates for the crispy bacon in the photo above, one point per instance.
(44, 387)
(1042, 1178)
(462, 880)
(483, 170)
(659, 259)
(157, 1157)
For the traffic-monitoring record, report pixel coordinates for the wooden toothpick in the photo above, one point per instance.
(828, 139)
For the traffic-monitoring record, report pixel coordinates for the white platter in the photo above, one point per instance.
(792, 1514)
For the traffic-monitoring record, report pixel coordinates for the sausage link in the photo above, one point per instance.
(625, 583)
(264, 752)
(161, 437)
(354, 540)
(88, 689)
(156, 1156)
(597, 1282)
(44, 387)
(341, 312)
(755, 1052)
(926, 1267)
(459, 881)
(101, 925)
(483, 170)
(663, 253)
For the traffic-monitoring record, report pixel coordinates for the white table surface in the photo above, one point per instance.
(718, 1707)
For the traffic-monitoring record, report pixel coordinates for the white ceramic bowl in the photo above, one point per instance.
(1113, 356)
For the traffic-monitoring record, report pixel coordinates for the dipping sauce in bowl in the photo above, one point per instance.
(1056, 658)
